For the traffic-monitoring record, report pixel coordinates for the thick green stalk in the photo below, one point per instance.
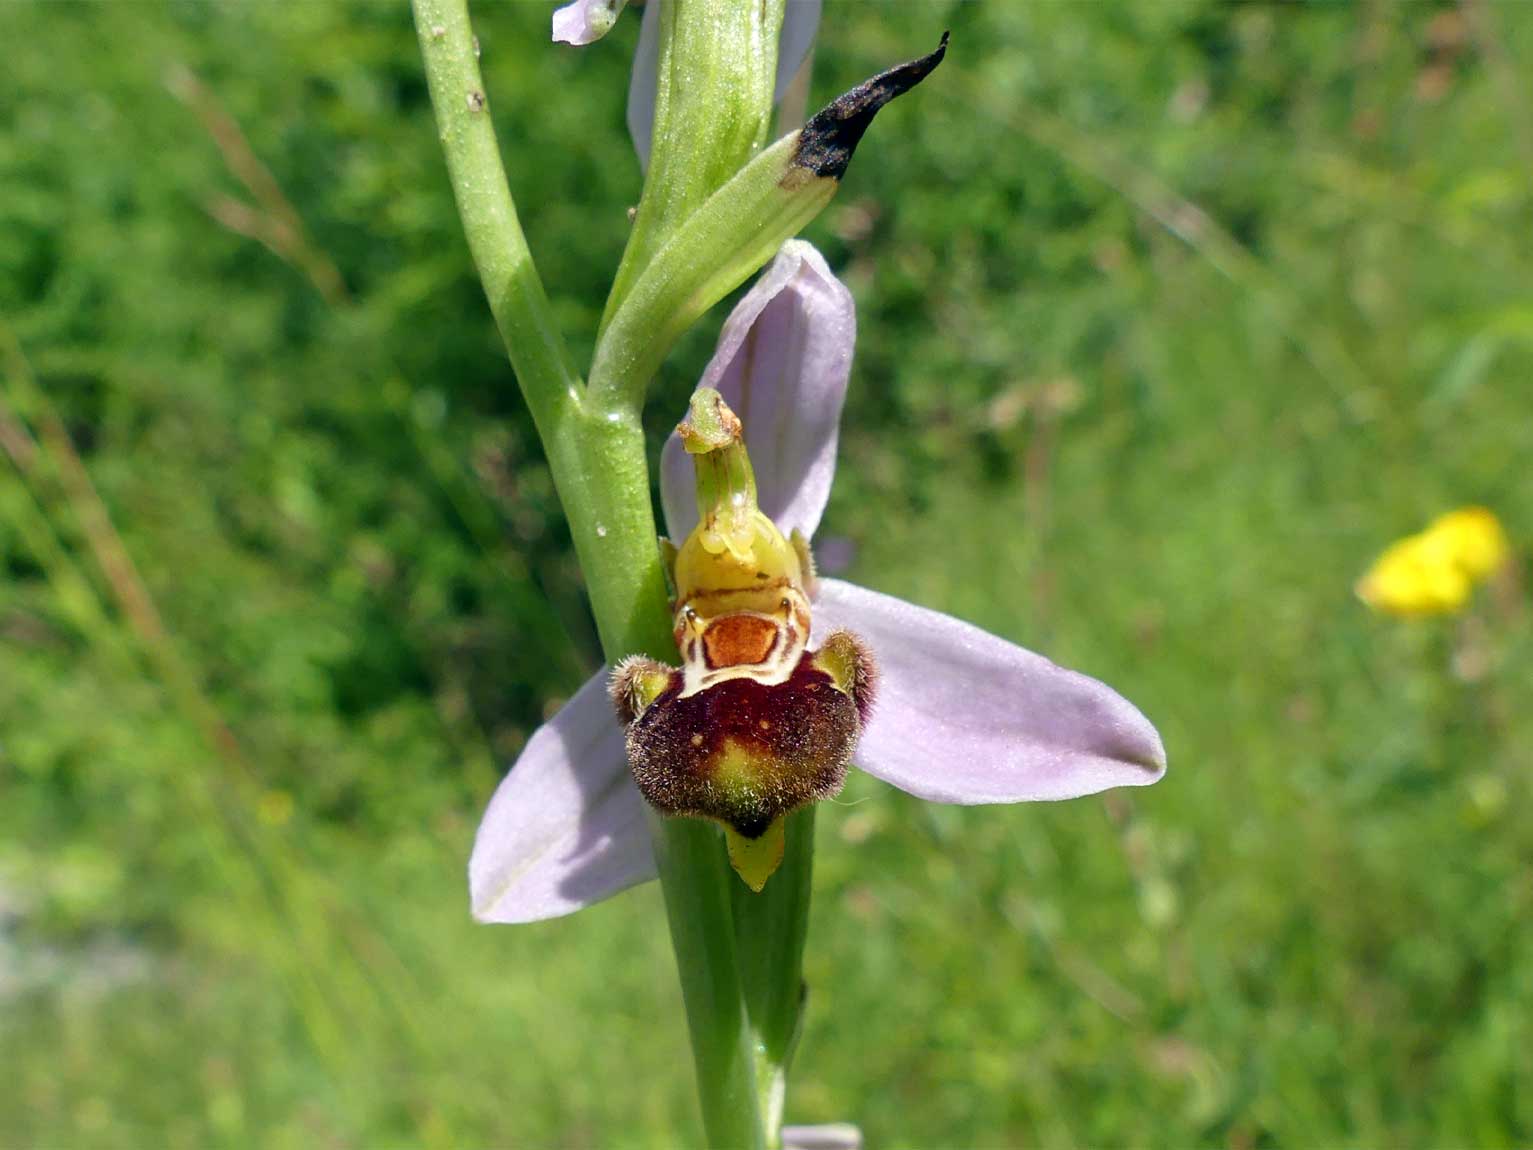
(490, 222)
(770, 929)
(596, 454)
(696, 879)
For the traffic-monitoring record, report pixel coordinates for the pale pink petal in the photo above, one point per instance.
(829, 1136)
(586, 21)
(801, 19)
(783, 360)
(961, 716)
(643, 81)
(800, 22)
(566, 827)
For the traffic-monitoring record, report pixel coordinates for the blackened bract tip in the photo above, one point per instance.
(828, 140)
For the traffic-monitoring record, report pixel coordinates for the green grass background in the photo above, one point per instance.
(1171, 316)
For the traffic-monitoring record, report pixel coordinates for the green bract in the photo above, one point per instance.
(732, 232)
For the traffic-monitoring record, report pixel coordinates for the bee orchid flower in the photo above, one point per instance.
(958, 715)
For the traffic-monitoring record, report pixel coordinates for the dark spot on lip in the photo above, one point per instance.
(827, 141)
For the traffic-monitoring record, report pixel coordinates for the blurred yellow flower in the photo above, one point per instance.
(1434, 572)
(1473, 536)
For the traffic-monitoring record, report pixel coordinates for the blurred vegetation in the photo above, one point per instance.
(1171, 316)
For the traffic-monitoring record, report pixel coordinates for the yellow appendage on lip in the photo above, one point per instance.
(756, 860)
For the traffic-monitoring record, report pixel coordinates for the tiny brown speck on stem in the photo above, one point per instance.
(475, 100)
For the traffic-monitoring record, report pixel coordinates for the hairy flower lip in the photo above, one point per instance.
(791, 741)
(963, 715)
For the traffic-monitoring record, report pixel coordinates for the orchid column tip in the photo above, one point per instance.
(710, 424)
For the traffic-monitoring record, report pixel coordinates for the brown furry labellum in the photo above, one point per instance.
(742, 752)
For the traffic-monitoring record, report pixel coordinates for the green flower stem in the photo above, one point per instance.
(596, 454)
(548, 381)
(696, 879)
(770, 929)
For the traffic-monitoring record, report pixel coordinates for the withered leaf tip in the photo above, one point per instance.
(828, 140)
